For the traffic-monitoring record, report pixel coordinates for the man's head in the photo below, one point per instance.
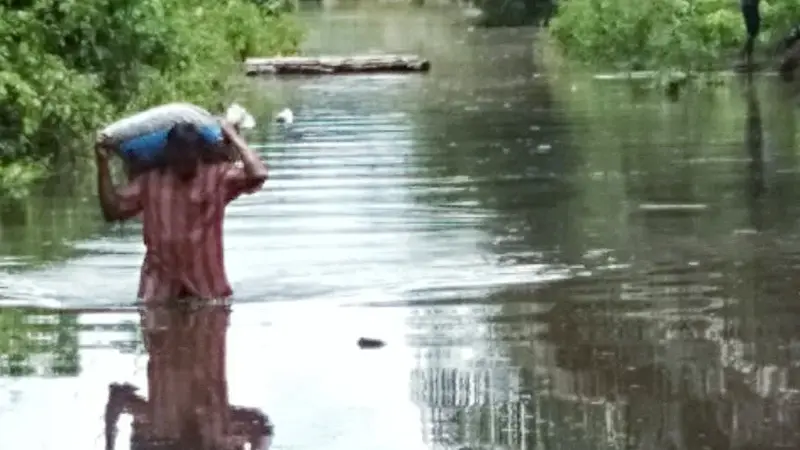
(186, 147)
(182, 150)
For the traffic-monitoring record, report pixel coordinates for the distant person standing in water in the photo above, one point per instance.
(752, 24)
(183, 284)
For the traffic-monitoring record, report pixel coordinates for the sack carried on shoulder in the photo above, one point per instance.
(142, 136)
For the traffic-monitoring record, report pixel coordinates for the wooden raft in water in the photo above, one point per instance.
(296, 65)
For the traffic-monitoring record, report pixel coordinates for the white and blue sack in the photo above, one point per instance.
(142, 136)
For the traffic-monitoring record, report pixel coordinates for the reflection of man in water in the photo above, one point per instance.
(174, 375)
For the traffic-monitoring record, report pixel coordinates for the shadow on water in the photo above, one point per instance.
(554, 262)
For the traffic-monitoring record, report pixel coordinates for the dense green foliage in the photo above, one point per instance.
(685, 34)
(70, 66)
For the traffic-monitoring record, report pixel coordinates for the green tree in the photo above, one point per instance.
(67, 67)
(679, 34)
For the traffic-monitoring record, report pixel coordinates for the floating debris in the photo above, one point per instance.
(369, 343)
(673, 207)
(286, 117)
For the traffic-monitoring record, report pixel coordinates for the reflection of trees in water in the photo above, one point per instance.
(490, 139)
(467, 393)
(515, 12)
(469, 406)
(672, 357)
(494, 139)
(41, 342)
(556, 185)
(686, 345)
(770, 136)
(735, 154)
(43, 229)
(682, 332)
(38, 343)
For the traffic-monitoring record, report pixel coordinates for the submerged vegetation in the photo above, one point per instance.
(688, 35)
(67, 67)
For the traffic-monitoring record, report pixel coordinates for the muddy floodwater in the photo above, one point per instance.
(554, 261)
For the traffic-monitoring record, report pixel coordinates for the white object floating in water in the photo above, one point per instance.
(675, 207)
(632, 75)
(237, 115)
(286, 116)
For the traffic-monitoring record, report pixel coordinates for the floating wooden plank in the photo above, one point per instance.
(677, 207)
(296, 65)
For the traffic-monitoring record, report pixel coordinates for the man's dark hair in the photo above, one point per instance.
(185, 148)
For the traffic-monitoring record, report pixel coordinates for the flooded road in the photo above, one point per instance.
(555, 262)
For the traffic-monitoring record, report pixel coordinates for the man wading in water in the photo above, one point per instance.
(185, 292)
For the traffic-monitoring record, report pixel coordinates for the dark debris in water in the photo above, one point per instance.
(369, 343)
